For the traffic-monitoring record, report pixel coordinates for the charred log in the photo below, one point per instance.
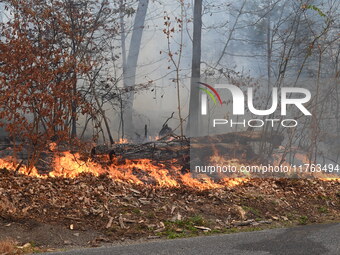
(236, 145)
(241, 137)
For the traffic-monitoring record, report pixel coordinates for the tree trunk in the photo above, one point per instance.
(123, 45)
(192, 128)
(74, 109)
(131, 65)
(269, 54)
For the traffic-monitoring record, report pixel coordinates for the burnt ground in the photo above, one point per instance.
(91, 211)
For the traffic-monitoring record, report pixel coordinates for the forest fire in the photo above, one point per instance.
(139, 172)
(125, 120)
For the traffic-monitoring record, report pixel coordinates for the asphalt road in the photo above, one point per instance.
(313, 239)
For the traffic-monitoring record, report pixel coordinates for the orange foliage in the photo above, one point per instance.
(43, 54)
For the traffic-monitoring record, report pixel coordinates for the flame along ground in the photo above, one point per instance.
(139, 172)
(68, 165)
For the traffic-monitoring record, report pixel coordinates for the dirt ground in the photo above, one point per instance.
(92, 211)
(44, 235)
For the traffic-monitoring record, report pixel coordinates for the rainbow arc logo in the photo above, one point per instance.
(211, 95)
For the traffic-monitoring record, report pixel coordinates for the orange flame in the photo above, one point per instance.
(123, 141)
(140, 172)
(10, 163)
(70, 166)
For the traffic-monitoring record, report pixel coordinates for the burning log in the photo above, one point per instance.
(175, 152)
(231, 150)
(181, 152)
(236, 145)
(160, 150)
(241, 137)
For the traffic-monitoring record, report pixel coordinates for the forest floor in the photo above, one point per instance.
(38, 214)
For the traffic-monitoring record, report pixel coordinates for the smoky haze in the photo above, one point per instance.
(260, 44)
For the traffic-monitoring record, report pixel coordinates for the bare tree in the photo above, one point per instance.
(192, 127)
(130, 68)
